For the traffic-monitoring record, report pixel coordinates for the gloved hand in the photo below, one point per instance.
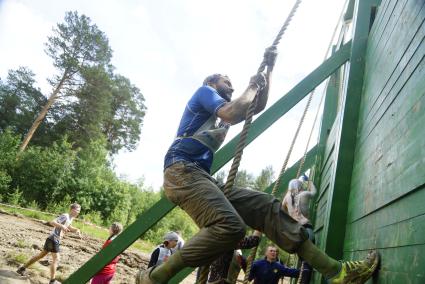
(304, 177)
(270, 56)
(305, 182)
(258, 80)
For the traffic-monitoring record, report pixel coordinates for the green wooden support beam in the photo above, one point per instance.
(328, 118)
(336, 214)
(348, 16)
(222, 156)
(289, 174)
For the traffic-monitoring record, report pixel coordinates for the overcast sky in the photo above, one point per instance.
(167, 48)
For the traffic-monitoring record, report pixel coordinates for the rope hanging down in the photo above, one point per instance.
(277, 184)
(300, 278)
(242, 141)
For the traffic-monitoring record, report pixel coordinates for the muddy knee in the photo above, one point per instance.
(233, 233)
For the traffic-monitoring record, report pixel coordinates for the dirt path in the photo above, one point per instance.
(21, 238)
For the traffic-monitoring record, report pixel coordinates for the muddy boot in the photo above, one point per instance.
(21, 271)
(142, 277)
(356, 272)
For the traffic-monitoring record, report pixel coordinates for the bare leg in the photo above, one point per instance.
(36, 258)
(55, 261)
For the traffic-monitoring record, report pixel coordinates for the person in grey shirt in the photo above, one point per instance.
(61, 224)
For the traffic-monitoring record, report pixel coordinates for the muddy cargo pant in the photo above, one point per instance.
(222, 218)
(307, 269)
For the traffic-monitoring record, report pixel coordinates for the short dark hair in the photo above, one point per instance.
(212, 79)
(116, 228)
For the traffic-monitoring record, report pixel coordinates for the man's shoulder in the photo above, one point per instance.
(62, 218)
(156, 250)
(202, 94)
(259, 261)
(106, 243)
(278, 264)
(203, 90)
(207, 89)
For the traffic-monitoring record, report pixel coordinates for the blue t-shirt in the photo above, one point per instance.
(200, 132)
(265, 272)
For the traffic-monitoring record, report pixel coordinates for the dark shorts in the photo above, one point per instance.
(51, 245)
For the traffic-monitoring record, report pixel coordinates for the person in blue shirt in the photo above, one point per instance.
(223, 217)
(269, 270)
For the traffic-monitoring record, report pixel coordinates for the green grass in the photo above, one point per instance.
(21, 243)
(19, 258)
(60, 277)
(86, 229)
(101, 233)
(146, 247)
(28, 213)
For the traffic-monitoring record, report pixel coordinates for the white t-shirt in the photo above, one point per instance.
(57, 233)
(164, 254)
(298, 208)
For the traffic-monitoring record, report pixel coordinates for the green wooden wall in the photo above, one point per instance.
(386, 205)
(387, 199)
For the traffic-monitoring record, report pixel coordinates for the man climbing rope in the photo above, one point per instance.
(222, 217)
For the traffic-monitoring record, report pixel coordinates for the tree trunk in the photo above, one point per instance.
(42, 114)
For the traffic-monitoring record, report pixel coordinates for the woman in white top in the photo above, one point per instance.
(163, 251)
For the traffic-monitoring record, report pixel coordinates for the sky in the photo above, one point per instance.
(167, 48)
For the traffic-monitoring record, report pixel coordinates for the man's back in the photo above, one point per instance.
(200, 133)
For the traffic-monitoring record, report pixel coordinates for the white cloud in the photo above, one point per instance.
(23, 34)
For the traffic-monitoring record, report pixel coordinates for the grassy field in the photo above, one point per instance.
(85, 228)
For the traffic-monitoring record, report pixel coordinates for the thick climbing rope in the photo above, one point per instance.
(242, 140)
(277, 183)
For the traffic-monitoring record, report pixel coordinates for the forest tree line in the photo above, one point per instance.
(58, 147)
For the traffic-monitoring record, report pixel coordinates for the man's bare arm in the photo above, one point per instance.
(73, 229)
(235, 111)
(58, 225)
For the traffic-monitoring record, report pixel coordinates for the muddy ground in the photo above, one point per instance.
(21, 238)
